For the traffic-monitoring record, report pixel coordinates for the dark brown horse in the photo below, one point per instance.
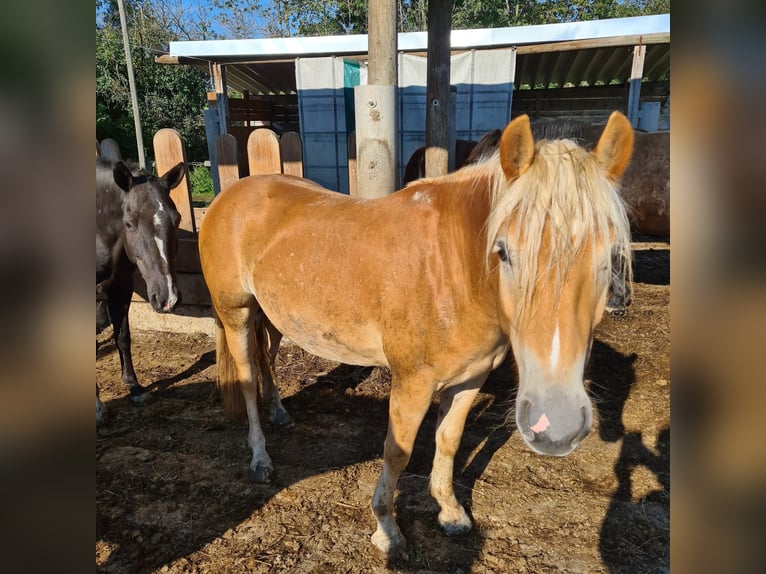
(436, 282)
(136, 223)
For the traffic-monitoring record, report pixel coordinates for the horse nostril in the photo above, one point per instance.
(584, 428)
(526, 432)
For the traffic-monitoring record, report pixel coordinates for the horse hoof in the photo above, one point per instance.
(391, 546)
(141, 398)
(456, 529)
(455, 526)
(282, 419)
(101, 415)
(262, 473)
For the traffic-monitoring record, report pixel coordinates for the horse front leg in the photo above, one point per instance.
(119, 307)
(454, 405)
(408, 404)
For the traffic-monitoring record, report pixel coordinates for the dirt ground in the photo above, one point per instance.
(171, 478)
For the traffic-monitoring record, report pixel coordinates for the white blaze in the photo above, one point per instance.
(555, 348)
(161, 246)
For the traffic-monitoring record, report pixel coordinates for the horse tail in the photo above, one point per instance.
(228, 379)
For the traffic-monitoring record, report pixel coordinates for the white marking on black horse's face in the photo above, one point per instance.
(150, 230)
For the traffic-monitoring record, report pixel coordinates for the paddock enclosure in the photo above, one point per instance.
(172, 493)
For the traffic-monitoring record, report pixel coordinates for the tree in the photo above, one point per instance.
(169, 96)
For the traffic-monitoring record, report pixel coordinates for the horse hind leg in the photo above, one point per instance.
(454, 405)
(278, 415)
(408, 405)
(239, 345)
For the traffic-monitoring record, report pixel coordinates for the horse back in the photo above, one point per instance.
(348, 279)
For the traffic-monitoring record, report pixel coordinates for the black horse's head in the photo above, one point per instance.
(151, 221)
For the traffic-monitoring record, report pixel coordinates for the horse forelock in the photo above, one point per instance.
(562, 204)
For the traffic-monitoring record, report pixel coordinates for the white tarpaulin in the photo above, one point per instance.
(482, 81)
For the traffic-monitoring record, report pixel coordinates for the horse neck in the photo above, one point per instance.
(463, 198)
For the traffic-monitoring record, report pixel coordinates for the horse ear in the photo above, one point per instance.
(615, 146)
(174, 175)
(122, 176)
(517, 147)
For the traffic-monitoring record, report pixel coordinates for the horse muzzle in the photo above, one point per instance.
(554, 421)
(165, 302)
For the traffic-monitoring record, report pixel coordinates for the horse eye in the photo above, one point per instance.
(501, 251)
(130, 226)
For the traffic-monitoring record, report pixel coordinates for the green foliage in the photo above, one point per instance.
(174, 96)
(327, 17)
(169, 96)
(201, 184)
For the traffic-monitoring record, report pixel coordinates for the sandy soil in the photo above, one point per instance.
(171, 478)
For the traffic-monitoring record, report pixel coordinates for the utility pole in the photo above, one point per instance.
(132, 81)
(375, 103)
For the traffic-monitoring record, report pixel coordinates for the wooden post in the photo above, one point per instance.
(375, 140)
(263, 152)
(169, 149)
(352, 172)
(291, 149)
(110, 150)
(219, 79)
(375, 105)
(636, 73)
(226, 154)
(437, 87)
(381, 43)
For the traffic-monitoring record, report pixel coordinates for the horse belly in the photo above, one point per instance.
(326, 333)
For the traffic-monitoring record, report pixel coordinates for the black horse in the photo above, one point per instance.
(136, 227)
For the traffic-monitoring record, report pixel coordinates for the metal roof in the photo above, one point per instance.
(551, 55)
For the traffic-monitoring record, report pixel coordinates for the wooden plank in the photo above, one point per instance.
(226, 154)
(658, 38)
(263, 152)
(352, 173)
(437, 87)
(169, 149)
(184, 319)
(291, 149)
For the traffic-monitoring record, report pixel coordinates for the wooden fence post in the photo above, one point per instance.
(109, 150)
(263, 152)
(291, 150)
(226, 152)
(169, 149)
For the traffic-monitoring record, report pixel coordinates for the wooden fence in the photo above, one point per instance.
(266, 153)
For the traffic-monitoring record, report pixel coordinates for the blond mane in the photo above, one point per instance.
(566, 193)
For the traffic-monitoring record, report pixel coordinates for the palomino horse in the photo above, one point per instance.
(435, 282)
(136, 223)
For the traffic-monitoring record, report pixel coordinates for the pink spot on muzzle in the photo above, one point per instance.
(541, 424)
